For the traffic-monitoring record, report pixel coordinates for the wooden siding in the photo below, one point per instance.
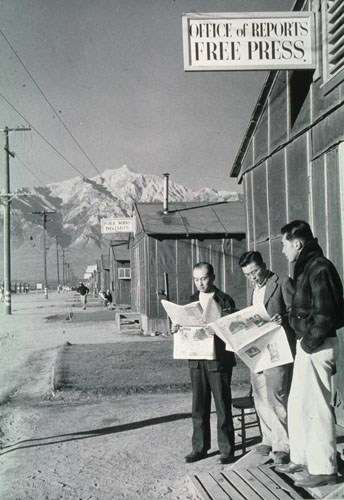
(176, 258)
(277, 193)
(297, 179)
(278, 128)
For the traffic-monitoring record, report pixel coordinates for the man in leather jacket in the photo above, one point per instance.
(316, 313)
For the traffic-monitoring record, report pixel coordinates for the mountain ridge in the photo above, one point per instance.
(79, 204)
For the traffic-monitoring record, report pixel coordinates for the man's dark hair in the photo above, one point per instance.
(299, 229)
(249, 257)
(208, 266)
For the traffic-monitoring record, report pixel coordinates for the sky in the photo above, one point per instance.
(102, 83)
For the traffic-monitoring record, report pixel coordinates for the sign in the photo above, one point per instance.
(116, 226)
(248, 41)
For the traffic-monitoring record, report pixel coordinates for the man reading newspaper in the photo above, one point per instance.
(211, 376)
(271, 386)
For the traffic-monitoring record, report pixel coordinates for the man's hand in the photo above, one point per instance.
(209, 330)
(174, 328)
(277, 318)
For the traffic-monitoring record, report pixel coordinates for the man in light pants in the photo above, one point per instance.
(316, 313)
(271, 387)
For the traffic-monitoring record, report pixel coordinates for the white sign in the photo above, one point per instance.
(116, 226)
(249, 41)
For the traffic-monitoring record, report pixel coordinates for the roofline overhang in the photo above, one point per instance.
(236, 167)
(197, 236)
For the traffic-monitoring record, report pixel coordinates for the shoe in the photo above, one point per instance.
(290, 468)
(195, 456)
(226, 459)
(281, 457)
(313, 480)
(262, 449)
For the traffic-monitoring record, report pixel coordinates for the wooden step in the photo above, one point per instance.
(254, 483)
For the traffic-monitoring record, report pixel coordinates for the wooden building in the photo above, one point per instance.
(120, 272)
(165, 247)
(291, 160)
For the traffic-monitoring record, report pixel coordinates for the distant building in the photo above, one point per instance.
(120, 272)
(165, 247)
(291, 160)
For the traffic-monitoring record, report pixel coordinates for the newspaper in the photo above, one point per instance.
(192, 341)
(250, 333)
(258, 341)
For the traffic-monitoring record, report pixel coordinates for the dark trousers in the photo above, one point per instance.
(204, 383)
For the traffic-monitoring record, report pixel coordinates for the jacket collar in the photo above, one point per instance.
(309, 252)
(271, 285)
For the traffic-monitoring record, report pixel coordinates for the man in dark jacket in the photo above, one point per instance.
(271, 387)
(316, 314)
(212, 377)
(83, 290)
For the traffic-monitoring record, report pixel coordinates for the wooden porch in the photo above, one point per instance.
(252, 477)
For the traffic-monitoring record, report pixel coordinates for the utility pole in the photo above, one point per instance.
(44, 214)
(7, 218)
(58, 264)
(63, 268)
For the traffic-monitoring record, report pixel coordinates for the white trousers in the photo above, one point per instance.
(311, 422)
(270, 392)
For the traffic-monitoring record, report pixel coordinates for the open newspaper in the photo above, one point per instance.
(250, 333)
(192, 341)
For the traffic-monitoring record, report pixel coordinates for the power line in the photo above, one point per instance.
(42, 137)
(50, 144)
(54, 110)
(28, 168)
(49, 103)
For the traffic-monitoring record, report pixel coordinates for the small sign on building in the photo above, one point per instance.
(248, 41)
(109, 226)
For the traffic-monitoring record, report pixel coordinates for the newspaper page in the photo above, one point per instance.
(257, 340)
(191, 341)
(188, 315)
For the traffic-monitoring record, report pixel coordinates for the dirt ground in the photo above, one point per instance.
(69, 445)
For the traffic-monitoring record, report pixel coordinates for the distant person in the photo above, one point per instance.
(212, 377)
(317, 311)
(108, 297)
(2, 294)
(83, 291)
(271, 387)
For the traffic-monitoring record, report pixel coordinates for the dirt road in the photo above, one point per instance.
(74, 446)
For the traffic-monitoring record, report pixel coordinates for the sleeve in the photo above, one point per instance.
(287, 293)
(228, 306)
(321, 321)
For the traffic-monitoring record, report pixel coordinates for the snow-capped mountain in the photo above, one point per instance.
(78, 205)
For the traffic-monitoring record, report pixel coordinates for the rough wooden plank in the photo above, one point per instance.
(256, 485)
(283, 484)
(213, 489)
(231, 491)
(271, 482)
(200, 491)
(241, 485)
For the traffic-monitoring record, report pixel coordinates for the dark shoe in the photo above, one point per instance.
(290, 468)
(195, 456)
(281, 457)
(262, 449)
(313, 480)
(226, 459)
